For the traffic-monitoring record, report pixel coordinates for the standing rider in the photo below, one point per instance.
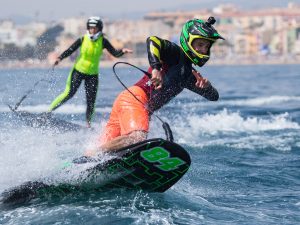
(172, 71)
(86, 66)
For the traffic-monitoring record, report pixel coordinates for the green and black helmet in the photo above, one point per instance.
(194, 29)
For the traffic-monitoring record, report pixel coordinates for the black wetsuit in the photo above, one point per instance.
(178, 74)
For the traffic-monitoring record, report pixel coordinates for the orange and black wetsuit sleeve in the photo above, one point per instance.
(71, 49)
(162, 51)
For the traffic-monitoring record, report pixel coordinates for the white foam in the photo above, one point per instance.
(262, 101)
(226, 121)
(31, 154)
(65, 109)
(232, 129)
(253, 102)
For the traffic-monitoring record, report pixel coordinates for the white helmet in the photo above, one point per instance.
(94, 21)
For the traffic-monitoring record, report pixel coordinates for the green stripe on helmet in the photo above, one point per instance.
(198, 29)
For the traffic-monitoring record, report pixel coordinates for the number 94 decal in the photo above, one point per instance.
(162, 156)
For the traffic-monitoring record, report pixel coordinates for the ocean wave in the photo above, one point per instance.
(225, 121)
(65, 109)
(262, 101)
(232, 130)
(257, 102)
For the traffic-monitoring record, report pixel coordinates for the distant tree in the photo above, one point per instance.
(27, 52)
(13, 52)
(9, 51)
(47, 41)
(170, 23)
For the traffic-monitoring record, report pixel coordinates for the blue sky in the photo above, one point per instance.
(55, 9)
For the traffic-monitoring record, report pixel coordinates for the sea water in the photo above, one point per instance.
(245, 150)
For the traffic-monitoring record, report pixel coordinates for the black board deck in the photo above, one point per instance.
(45, 121)
(153, 165)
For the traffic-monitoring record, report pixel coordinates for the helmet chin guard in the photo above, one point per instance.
(94, 37)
